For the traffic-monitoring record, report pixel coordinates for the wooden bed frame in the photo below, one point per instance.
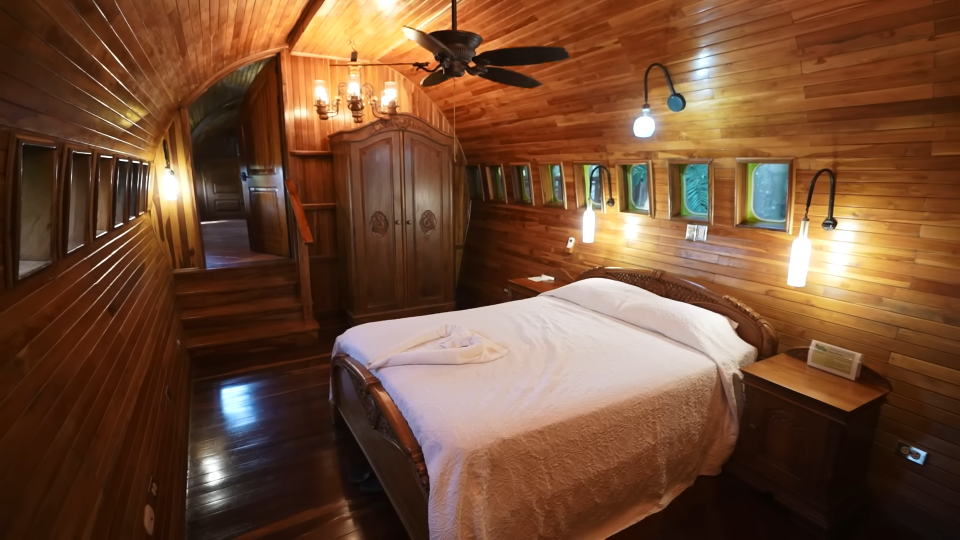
(359, 399)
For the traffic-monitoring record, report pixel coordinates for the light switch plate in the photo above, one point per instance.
(701, 233)
(570, 242)
(691, 232)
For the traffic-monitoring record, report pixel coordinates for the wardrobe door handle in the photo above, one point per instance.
(409, 222)
(397, 222)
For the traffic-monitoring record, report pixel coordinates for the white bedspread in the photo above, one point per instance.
(586, 426)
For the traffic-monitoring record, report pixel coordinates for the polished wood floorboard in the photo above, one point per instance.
(265, 462)
(226, 244)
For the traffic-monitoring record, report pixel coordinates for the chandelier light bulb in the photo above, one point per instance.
(644, 125)
(389, 93)
(320, 91)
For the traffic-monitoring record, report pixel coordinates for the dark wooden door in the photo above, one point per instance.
(428, 219)
(378, 222)
(264, 192)
(222, 190)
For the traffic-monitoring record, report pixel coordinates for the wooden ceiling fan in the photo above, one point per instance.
(455, 51)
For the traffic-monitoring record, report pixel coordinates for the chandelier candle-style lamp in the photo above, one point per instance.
(589, 216)
(800, 252)
(645, 125)
(357, 96)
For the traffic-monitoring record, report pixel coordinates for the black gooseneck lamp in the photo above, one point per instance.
(589, 216)
(800, 252)
(645, 125)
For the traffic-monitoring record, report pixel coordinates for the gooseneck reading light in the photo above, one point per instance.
(589, 216)
(800, 252)
(645, 125)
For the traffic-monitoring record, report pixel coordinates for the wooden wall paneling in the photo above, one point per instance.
(177, 223)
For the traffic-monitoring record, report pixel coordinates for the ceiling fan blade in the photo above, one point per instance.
(426, 41)
(434, 79)
(505, 76)
(521, 56)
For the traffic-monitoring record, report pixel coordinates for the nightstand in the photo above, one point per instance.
(805, 435)
(521, 288)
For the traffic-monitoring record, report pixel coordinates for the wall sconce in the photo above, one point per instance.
(169, 186)
(800, 252)
(357, 96)
(645, 125)
(589, 216)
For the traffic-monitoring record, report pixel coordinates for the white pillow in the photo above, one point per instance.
(706, 331)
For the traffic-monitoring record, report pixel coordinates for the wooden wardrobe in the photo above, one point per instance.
(394, 183)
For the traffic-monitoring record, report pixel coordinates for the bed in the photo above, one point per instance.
(589, 424)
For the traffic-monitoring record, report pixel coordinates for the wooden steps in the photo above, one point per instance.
(227, 308)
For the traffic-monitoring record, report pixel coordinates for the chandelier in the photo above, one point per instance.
(357, 97)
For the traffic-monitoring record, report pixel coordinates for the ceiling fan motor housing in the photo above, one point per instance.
(462, 44)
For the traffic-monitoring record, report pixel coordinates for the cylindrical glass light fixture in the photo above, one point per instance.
(320, 91)
(644, 125)
(169, 187)
(389, 97)
(353, 83)
(800, 257)
(589, 223)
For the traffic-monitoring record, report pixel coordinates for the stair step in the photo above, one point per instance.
(247, 332)
(234, 285)
(237, 313)
(205, 300)
(250, 270)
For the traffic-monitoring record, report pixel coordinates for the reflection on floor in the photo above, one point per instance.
(265, 462)
(226, 244)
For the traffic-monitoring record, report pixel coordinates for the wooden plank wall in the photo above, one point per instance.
(869, 88)
(112, 74)
(311, 165)
(93, 392)
(177, 222)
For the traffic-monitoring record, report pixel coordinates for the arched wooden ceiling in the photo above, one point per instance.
(111, 73)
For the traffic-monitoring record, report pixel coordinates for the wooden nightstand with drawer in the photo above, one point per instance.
(521, 288)
(805, 435)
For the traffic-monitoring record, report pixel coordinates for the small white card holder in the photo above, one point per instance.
(833, 359)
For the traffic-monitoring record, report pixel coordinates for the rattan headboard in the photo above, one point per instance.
(751, 328)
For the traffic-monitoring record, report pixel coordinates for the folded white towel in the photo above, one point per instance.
(447, 344)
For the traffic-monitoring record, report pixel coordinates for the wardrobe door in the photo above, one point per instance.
(376, 193)
(428, 220)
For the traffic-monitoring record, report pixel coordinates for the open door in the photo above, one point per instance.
(261, 154)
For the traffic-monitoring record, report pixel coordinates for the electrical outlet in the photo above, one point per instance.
(506, 290)
(915, 455)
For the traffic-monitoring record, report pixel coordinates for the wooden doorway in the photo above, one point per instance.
(238, 170)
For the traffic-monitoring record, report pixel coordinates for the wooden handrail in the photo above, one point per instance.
(299, 213)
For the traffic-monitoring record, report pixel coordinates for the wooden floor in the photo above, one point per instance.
(266, 463)
(225, 243)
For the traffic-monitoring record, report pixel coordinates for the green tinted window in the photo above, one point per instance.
(767, 185)
(474, 183)
(593, 185)
(523, 184)
(495, 177)
(637, 178)
(694, 189)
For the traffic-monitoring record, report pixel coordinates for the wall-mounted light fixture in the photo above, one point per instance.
(645, 125)
(589, 216)
(357, 96)
(800, 252)
(169, 186)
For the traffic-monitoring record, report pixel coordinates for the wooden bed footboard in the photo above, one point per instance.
(386, 439)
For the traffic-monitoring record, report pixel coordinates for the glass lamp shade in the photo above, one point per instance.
(320, 91)
(589, 224)
(389, 93)
(800, 257)
(644, 125)
(168, 186)
(353, 84)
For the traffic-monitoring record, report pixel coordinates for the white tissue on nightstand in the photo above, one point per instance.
(541, 277)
